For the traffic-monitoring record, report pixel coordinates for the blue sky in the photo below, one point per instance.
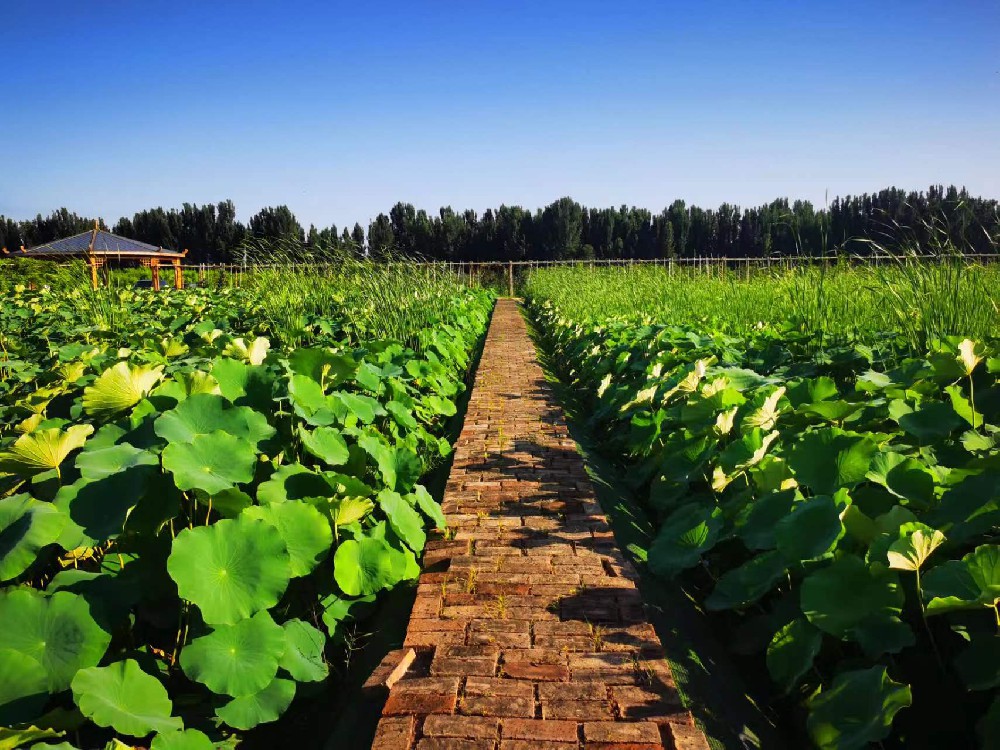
(341, 109)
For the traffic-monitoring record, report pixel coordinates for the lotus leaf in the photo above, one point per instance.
(829, 459)
(846, 593)
(973, 581)
(856, 710)
(119, 388)
(268, 705)
(23, 688)
(26, 526)
(326, 444)
(306, 533)
(403, 519)
(687, 533)
(43, 450)
(231, 569)
(214, 462)
(56, 631)
(205, 413)
(236, 660)
(749, 582)
(791, 652)
(916, 543)
(367, 565)
(125, 698)
(292, 482)
(429, 506)
(184, 739)
(303, 658)
(811, 529)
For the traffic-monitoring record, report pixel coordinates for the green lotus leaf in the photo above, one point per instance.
(882, 634)
(325, 367)
(757, 531)
(228, 503)
(292, 482)
(123, 697)
(303, 658)
(932, 422)
(402, 414)
(345, 485)
(326, 444)
(184, 739)
(403, 519)
(686, 534)
(103, 462)
(904, 477)
(26, 527)
(963, 407)
(231, 569)
(338, 609)
(846, 593)
(306, 533)
(367, 565)
(236, 660)
(969, 583)
(23, 688)
(810, 391)
(214, 462)
(206, 413)
(979, 664)
(98, 509)
(11, 738)
(988, 727)
(749, 582)
(916, 543)
(856, 710)
(57, 631)
(792, 651)
(310, 402)
(831, 411)
(811, 529)
(829, 459)
(399, 467)
(243, 383)
(110, 594)
(43, 450)
(119, 388)
(363, 408)
(429, 506)
(268, 705)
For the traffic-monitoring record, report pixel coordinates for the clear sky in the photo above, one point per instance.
(340, 109)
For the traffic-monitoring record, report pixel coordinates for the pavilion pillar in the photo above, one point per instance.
(154, 269)
(178, 274)
(92, 262)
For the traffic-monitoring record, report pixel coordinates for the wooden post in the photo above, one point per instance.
(510, 278)
(154, 271)
(92, 262)
(178, 275)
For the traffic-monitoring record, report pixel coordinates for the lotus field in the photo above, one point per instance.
(819, 452)
(200, 490)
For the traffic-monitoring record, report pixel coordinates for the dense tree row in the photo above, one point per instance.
(565, 229)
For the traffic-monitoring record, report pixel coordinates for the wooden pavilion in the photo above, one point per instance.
(99, 248)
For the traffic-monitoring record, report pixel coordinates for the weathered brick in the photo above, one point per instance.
(540, 730)
(467, 727)
(621, 731)
(395, 732)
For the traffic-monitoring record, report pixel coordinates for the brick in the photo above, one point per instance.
(621, 731)
(497, 705)
(394, 733)
(540, 730)
(537, 672)
(393, 666)
(576, 710)
(498, 686)
(419, 703)
(537, 745)
(450, 743)
(466, 727)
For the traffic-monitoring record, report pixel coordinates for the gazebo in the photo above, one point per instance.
(98, 247)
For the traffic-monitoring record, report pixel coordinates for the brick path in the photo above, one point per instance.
(527, 625)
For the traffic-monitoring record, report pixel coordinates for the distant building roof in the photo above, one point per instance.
(98, 242)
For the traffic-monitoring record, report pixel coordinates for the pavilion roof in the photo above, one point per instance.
(98, 242)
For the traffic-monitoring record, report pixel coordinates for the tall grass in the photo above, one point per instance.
(916, 297)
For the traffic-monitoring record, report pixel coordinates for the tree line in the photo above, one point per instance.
(563, 230)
